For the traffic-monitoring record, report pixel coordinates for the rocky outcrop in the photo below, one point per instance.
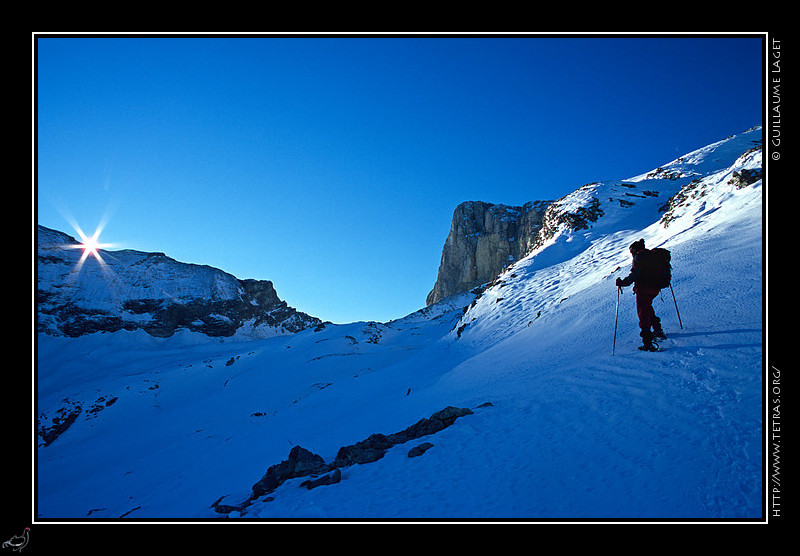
(303, 463)
(374, 447)
(562, 214)
(135, 290)
(702, 186)
(484, 238)
(417, 451)
(51, 425)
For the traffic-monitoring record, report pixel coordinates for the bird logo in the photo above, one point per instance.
(17, 543)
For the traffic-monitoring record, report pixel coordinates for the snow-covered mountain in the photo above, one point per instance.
(590, 229)
(81, 294)
(506, 404)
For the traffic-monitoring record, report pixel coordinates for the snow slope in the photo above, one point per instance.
(571, 431)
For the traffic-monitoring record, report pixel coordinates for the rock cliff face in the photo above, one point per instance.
(484, 238)
(130, 290)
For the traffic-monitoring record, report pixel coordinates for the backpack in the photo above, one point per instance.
(654, 265)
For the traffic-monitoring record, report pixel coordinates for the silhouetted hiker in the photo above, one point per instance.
(647, 275)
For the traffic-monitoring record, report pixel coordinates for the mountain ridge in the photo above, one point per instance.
(512, 233)
(130, 290)
(592, 221)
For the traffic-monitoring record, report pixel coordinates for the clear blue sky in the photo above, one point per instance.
(332, 166)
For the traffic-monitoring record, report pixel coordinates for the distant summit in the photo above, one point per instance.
(132, 290)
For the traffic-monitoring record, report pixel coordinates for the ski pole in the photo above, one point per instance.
(676, 305)
(614, 347)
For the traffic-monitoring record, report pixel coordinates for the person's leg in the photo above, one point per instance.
(658, 332)
(647, 316)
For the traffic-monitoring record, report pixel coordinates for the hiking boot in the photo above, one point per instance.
(649, 346)
(659, 335)
(647, 342)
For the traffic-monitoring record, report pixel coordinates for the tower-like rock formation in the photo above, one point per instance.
(484, 238)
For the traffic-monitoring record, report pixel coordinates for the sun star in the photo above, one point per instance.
(91, 246)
